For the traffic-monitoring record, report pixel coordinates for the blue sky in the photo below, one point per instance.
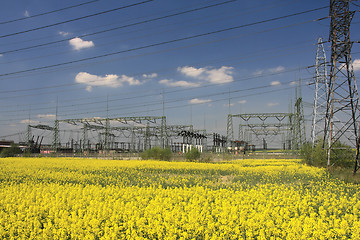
(185, 58)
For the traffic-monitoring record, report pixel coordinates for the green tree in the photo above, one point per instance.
(157, 153)
(341, 155)
(193, 155)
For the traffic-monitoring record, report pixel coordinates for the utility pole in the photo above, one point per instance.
(342, 111)
(321, 93)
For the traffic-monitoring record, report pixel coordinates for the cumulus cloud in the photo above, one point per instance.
(64, 34)
(269, 70)
(275, 83)
(277, 69)
(191, 71)
(227, 105)
(27, 121)
(26, 13)
(356, 65)
(109, 80)
(1, 55)
(272, 104)
(78, 44)
(199, 101)
(258, 72)
(220, 75)
(242, 101)
(47, 116)
(150, 76)
(172, 83)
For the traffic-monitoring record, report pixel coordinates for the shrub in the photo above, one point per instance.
(205, 158)
(341, 155)
(157, 153)
(11, 151)
(193, 155)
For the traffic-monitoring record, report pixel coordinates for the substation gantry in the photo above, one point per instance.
(145, 128)
(132, 134)
(263, 125)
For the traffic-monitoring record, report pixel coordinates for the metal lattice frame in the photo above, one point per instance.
(342, 111)
(321, 93)
(299, 137)
(265, 128)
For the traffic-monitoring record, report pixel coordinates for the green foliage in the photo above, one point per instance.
(205, 158)
(157, 153)
(27, 154)
(11, 151)
(193, 155)
(340, 156)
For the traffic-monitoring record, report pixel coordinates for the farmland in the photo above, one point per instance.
(68, 198)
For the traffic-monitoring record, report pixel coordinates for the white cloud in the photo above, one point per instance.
(199, 101)
(242, 101)
(152, 75)
(271, 104)
(277, 69)
(227, 105)
(172, 83)
(109, 80)
(269, 71)
(275, 83)
(220, 75)
(47, 116)
(26, 13)
(258, 72)
(356, 65)
(1, 55)
(293, 83)
(191, 71)
(27, 121)
(64, 34)
(78, 43)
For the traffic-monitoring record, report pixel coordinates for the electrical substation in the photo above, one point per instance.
(335, 116)
(122, 135)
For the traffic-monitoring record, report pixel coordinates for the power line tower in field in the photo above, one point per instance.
(299, 120)
(321, 93)
(342, 111)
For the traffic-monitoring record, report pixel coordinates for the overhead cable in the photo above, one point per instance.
(162, 43)
(116, 28)
(46, 13)
(75, 19)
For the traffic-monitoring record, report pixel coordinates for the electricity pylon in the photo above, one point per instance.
(321, 93)
(342, 112)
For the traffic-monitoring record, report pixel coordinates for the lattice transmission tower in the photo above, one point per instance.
(342, 112)
(321, 93)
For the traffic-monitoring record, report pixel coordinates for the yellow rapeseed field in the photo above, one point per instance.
(63, 198)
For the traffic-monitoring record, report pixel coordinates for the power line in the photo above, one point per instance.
(184, 99)
(138, 74)
(46, 13)
(75, 19)
(172, 92)
(120, 27)
(162, 43)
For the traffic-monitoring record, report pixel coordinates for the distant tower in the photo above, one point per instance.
(321, 93)
(342, 111)
(299, 120)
